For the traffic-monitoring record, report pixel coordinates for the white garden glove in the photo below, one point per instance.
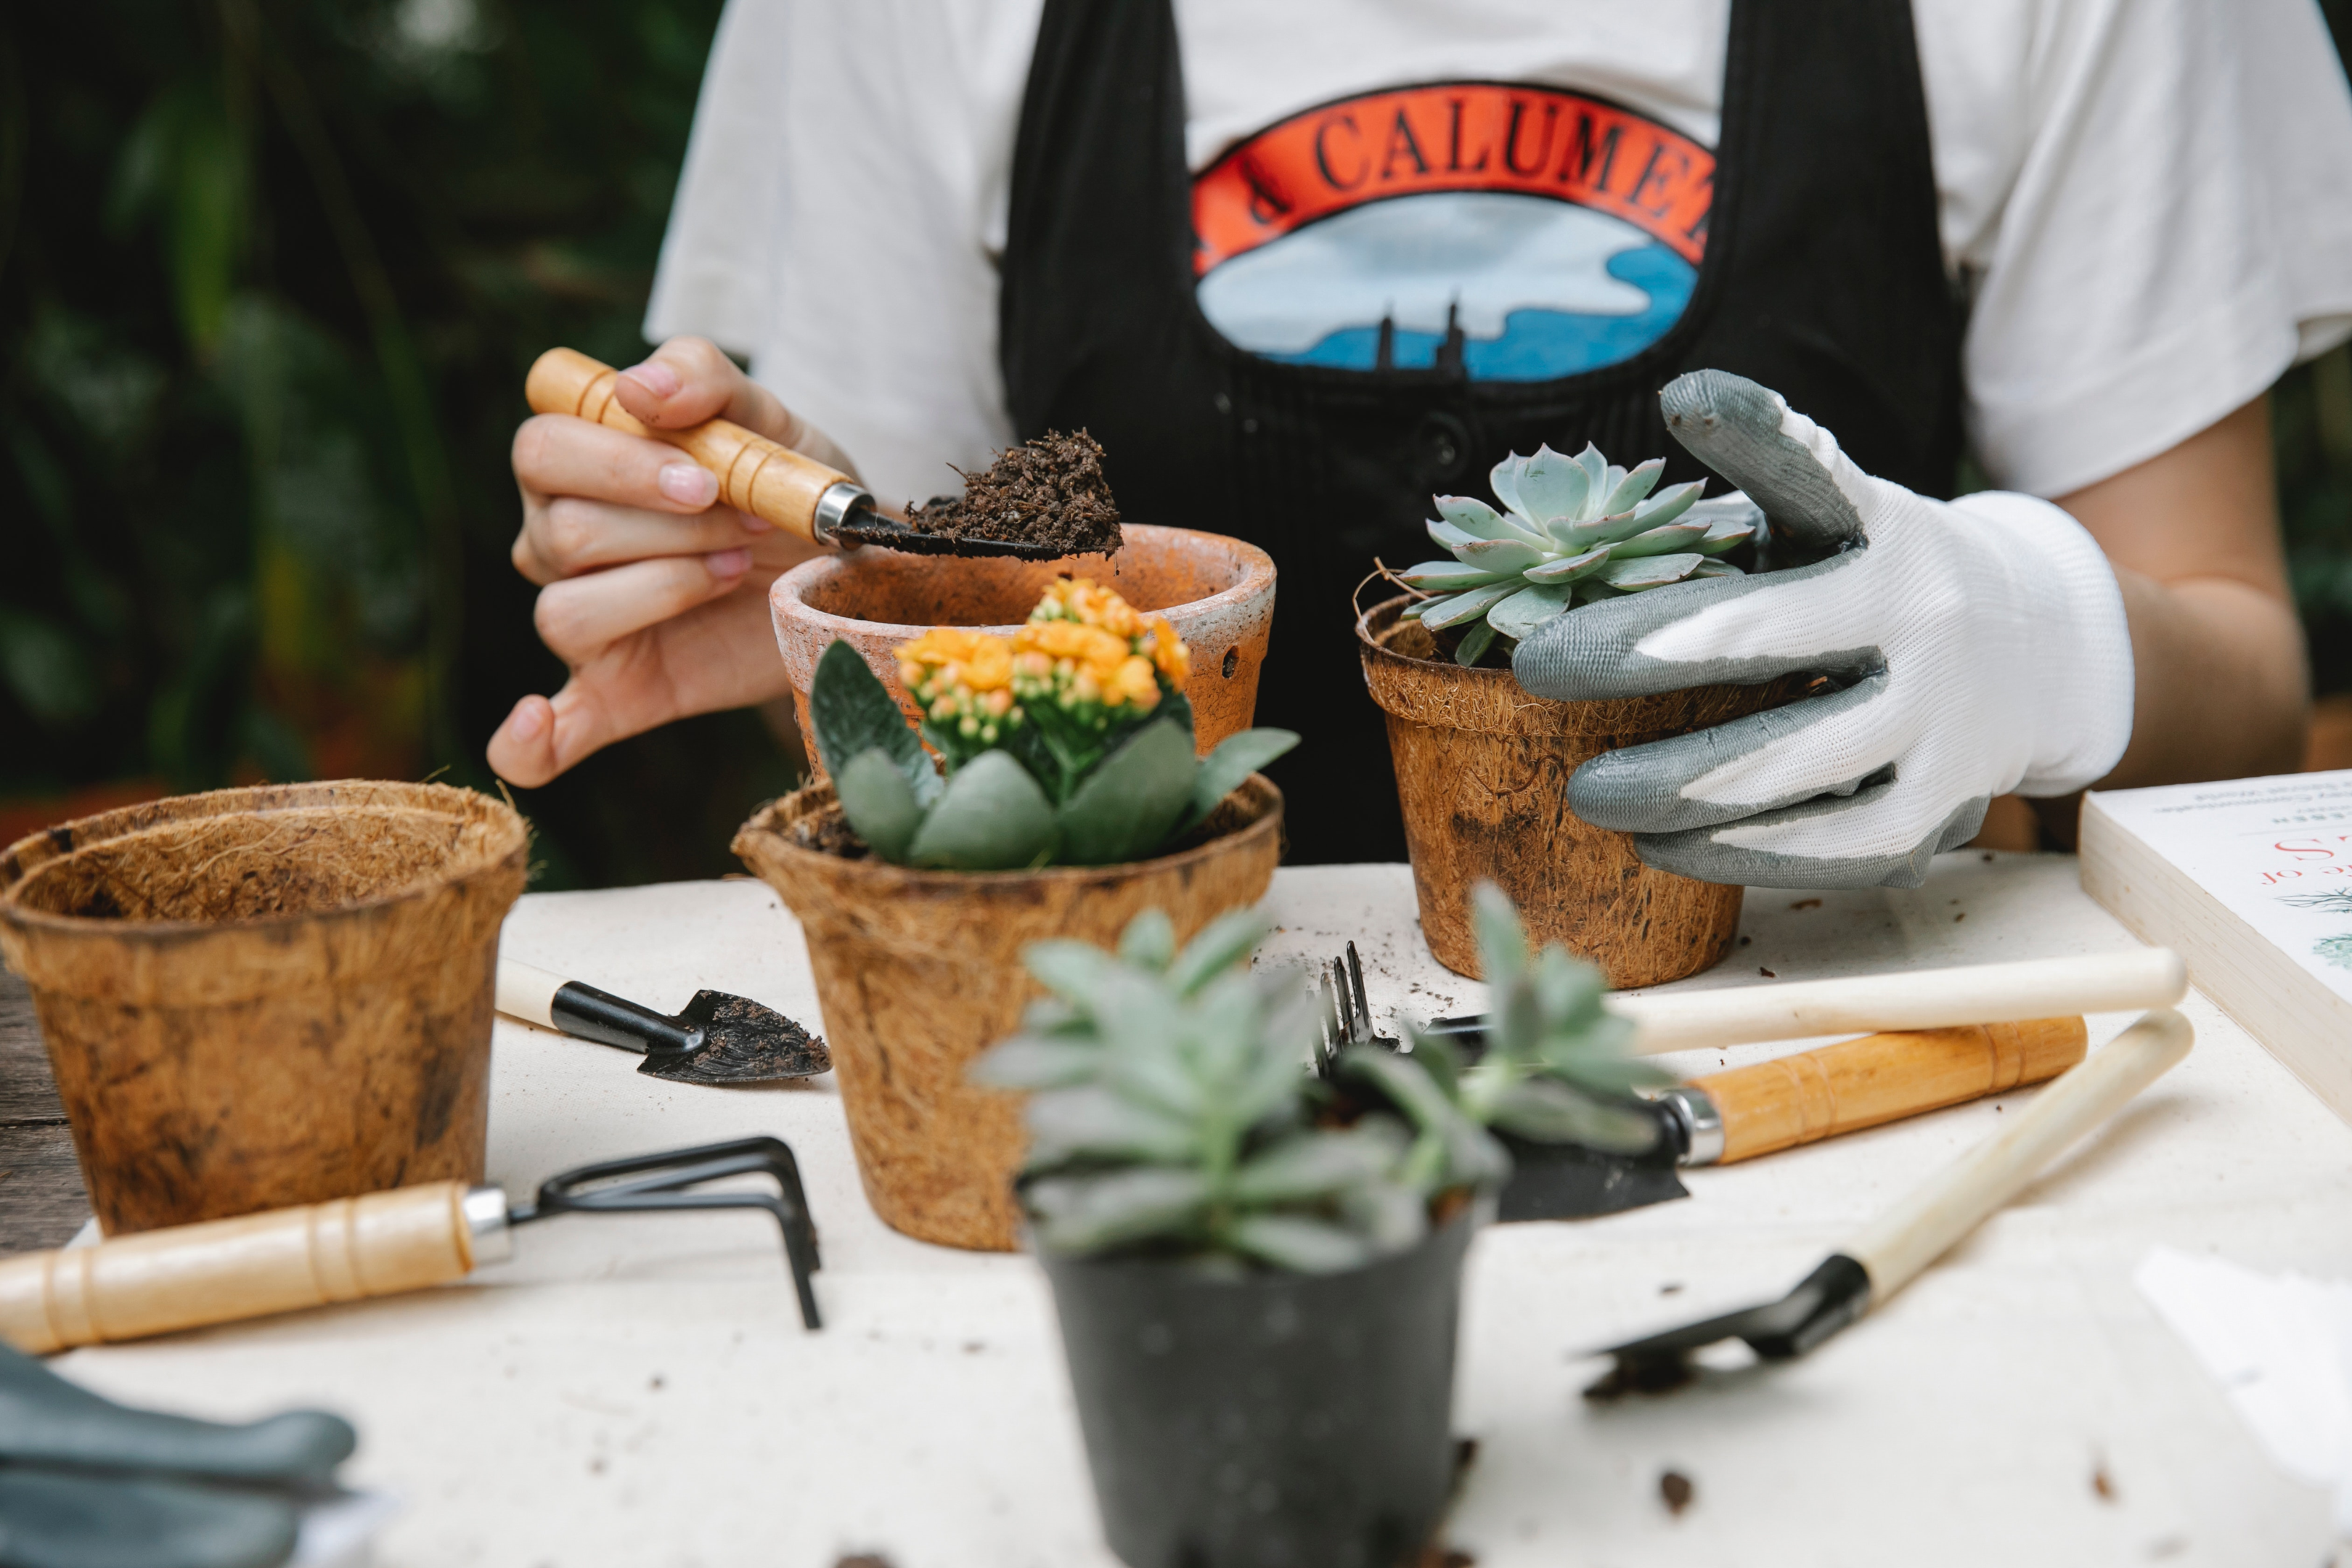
(1978, 648)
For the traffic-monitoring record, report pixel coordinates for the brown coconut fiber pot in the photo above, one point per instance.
(1218, 593)
(261, 997)
(919, 972)
(1482, 772)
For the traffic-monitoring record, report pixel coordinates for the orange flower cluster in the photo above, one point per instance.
(1079, 600)
(1084, 649)
(963, 679)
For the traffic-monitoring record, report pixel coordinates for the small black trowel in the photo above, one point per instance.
(717, 1038)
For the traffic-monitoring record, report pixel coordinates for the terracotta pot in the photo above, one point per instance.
(262, 997)
(919, 972)
(1218, 593)
(1482, 772)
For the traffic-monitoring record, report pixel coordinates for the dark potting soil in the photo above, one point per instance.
(1050, 491)
(828, 832)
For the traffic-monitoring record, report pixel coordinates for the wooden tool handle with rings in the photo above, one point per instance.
(188, 1276)
(770, 481)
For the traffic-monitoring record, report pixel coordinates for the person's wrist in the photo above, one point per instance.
(2076, 656)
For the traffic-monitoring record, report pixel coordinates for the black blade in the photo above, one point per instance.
(1569, 1180)
(744, 1043)
(869, 527)
(1830, 1298)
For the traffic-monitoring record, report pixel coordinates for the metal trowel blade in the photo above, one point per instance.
(746, 1043)
(1568, 1180)
(872, 528)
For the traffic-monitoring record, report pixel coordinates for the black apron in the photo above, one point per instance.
(1822, 278)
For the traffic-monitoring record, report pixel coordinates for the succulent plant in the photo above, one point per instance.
(1172, 1114)
(1573, 530)
(1068, 742)
(1555, 1069)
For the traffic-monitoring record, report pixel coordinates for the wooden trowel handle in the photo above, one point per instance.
(186, 1277)
(1819, 1094)
(755, 475)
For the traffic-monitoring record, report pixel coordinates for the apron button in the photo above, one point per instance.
(1439, 449)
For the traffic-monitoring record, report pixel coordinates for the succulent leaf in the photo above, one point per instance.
(1317, 1164)
(1550, 1112)
(1666, 541)
(1037, 1061)
(1475, 518)
(1639, 481)
(852, 711)
(1524, 611)
(1474, 643)
(1127, 805)
(1595, 466)
(1716, 569)
(1098, 1121)
(991, 816)
(1504, 481)
(1551, 486)
(1223, 943)
(1667, 505)
(1498, 555)
(1449, 576)
(1301, 1246)
(1223, 771)
(1466, 606)
(1091, 1213)
(1648, 572)
(1148, 942)
(879, 803)
(1568, 568)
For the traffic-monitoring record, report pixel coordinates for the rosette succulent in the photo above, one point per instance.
(1573, 530)
(1070, 741)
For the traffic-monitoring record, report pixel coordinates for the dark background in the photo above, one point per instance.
(271, 274)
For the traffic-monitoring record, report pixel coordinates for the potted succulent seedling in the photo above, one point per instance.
(1059, 793)
(1483, 768)
(1256, 1269)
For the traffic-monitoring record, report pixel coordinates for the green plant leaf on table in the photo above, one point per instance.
(991, 817)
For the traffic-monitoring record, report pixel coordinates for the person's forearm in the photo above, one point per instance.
(2220, 687)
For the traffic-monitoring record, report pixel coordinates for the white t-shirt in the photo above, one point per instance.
(2150, 201)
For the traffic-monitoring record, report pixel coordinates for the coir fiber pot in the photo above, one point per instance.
(261, 997)
(919, 972)
(1218, 593)
(1298, 1420)
(1482, 772)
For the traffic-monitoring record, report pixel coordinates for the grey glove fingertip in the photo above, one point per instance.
(112, 1521)
(1733, 426)
(1697, 853)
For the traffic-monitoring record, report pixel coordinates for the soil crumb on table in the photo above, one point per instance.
(1050, 491)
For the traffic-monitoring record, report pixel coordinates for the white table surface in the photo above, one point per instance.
(638, 1390)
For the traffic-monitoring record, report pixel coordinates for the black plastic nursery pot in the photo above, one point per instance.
(1268, 1418)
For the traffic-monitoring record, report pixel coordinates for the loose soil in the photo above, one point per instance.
(828, 832)
(1050, 491)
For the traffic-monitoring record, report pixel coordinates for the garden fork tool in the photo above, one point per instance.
(1936, 1057)
(797, 494)
(1892, 1251)
(380, 1244)
(716, 1038)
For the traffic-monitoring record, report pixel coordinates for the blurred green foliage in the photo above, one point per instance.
(271, 274)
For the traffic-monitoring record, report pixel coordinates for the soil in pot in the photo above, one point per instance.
(1482, 774)
(261, 997)
(1218, 593)
(919, 972)
(1048, 491)
(1266, 1418)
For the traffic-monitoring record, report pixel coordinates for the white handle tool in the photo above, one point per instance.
(528, 994)
(1922, 999)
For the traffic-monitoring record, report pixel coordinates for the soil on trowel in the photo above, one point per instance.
(1050, 491)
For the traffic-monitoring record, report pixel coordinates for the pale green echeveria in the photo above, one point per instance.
(1573, 530)
(1169, 1112)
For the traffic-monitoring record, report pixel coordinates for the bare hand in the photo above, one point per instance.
(656, 597)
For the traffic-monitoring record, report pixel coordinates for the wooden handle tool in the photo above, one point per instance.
(1922, 999)
(1821, 1093)
(800, 495)
(190, 1275)
(1890, 1252)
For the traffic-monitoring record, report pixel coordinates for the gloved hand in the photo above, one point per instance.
(86, 1483)
(1979, 646)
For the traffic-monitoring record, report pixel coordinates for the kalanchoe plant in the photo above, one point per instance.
(1573, 530)
(1555, 1069)
(1172, 1115)
(1070, 741)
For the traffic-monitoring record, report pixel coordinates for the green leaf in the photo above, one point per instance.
(1675, 537)
(1523, 612)
(1315, 1165)
(1037, 1061)
(1502, 940)
(1551, 486)
(1638, 482)
(1072, 970)
(1079, 1215)
(1648, 572)
(1477, 519)
(1466, 606)
(1222, 943)
(991, 816)
(1473, 645)
(1126, 807)
(1223, 771)
(1568, 568)
(853, 711)
(1301, 1246)
(1149, 940)
(879, 803)
(1551, 1112)
(1095, 1121)
(1492, 554)
(1471, 1155)
(1448, 577)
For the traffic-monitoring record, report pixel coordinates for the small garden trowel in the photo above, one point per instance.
(797, 494)
(717, 1038)
(1736, 1115)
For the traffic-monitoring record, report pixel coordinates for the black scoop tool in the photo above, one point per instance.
(717, 1038)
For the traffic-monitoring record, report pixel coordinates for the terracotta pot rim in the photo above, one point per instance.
(887, 878)
(1257, 576)
(88, 832)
